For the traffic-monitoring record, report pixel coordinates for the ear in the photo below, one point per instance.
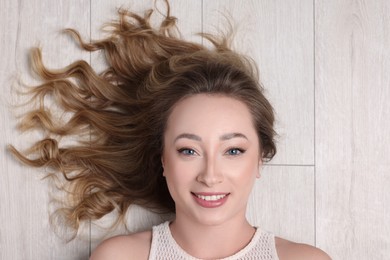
(258, 174)
(162, 164)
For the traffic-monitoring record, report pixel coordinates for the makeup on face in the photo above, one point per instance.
(211, 157)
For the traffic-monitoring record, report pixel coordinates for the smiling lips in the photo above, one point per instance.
(210, 200)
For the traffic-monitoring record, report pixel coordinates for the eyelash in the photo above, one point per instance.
(240, 151)
(185, 151)
(190, 152)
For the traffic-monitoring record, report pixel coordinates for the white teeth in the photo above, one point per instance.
(212, 197)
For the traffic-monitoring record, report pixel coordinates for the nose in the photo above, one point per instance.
(210, 175)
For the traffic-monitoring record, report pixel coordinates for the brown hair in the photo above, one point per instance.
(122, 112)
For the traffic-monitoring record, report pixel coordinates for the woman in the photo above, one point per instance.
(211, 157)
(170, 125)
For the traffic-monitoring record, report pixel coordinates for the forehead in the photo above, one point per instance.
(210, 114)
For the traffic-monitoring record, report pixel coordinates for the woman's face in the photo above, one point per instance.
(211, 158)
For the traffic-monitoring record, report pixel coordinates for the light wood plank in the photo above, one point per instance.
(189, 23)
(282, 202)
(352, 118)
(279, 36)
(352, 128)
(187, 12)
(25, 232)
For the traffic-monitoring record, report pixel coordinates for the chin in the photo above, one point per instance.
(212, 222)
(211, 219)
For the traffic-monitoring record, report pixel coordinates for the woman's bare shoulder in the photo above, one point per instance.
(135, 246)
(288, 250)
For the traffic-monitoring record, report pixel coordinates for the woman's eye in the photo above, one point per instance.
(235, 151)
(187, 151)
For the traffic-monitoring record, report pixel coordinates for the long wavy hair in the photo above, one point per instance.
(118, 117)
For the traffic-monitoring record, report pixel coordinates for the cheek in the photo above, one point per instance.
(247, 166)
(249, 173)
(244, 172)
(247, 179)
(177, 172)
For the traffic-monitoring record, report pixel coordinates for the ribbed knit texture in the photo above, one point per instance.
(261, 247)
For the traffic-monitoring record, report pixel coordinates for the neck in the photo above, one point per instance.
(211, 241)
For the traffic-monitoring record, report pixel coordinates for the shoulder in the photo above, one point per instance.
(135, 246)
(291, 251)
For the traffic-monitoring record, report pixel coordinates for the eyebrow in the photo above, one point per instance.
(222, 138)
(232, 135)
(188, 136)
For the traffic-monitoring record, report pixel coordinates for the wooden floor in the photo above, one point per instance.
(326, 67)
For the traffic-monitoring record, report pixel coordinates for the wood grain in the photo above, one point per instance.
(279, 37)
(352, 128)
(189, 23)
(282, 202)
(25, 232)
(328, 184)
